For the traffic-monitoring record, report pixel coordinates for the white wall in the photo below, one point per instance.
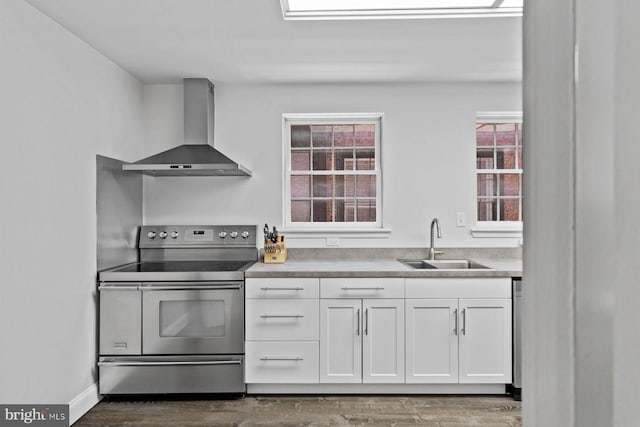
(61, 104)
(428, 154)
(583, 234)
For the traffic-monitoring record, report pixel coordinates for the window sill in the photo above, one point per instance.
(505, 232)
(357, 233)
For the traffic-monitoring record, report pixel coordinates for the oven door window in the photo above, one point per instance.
(192, 318)
(188, 321)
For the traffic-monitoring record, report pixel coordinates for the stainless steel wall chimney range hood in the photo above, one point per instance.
(196, 157)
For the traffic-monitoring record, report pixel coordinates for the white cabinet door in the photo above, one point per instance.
(340, 341)
(383, 341)
(485, 341)
(432, 341)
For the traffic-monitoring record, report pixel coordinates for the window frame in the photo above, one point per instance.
(497, 228)
(355, 227)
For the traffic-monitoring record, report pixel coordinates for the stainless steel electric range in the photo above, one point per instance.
(174, 321)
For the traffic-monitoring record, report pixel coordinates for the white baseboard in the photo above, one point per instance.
(82, 403)
(376, 388)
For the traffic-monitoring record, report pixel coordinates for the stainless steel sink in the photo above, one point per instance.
(443, 264)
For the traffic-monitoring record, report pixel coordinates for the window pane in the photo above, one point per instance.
(366, 210)
(343, 160)
(487, 184)
(300, 211)
(487, 209)
(322, 211)
(366, 186)
(510, 210)
(300, 160)
(506, 158)
(520, 165)
(484, 135)
(506, 134)
(365, 159)
(365, 135)
(321, 135)
(300, 136)
(510, 184)
(345, 185)
(300, 186)
(343, 135)
(322, 186)
(322, 160)
(484, 158)
(345, 210)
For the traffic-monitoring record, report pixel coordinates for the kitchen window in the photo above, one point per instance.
(499, 170)
(332, 172)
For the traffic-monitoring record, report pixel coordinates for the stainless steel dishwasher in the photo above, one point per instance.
(517, 338)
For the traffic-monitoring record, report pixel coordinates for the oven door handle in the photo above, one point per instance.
(188, 287)
(118, 287)
(172, 363)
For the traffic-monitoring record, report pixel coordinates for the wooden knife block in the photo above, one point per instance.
(275, 253)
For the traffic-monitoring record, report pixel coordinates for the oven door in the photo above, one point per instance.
(188, 318)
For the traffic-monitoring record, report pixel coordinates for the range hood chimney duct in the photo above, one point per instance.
(196, 157)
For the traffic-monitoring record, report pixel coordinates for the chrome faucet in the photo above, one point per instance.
(432, 250)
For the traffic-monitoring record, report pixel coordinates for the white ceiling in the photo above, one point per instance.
(247, 41)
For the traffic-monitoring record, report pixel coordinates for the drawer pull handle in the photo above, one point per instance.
(281, 316)
(281, 289)
(377, 288)
(281, 358)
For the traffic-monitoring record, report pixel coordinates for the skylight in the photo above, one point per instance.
(398, 9)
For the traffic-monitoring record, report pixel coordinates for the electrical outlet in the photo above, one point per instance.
(333, 241)
(460, 220)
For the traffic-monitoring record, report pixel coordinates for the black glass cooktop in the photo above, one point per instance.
(184, 266)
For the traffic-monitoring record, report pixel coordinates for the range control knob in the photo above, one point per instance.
(234, 234)
(174, 234)
(163, 234)
(222, 234)
(151, 234)
(245, 234)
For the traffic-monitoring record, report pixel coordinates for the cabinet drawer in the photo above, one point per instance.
(281, 319)
(362, 288)
(282, 362)
(281, 287)
(456, 287)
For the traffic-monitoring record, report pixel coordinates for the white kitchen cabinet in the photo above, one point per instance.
(432, 341)
(279, 362)
(456, 339)
(485, 341)
(281, 321)
(383, 341)
(361, 341)
(340, 341)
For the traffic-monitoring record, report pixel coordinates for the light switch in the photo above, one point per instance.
(460, 220)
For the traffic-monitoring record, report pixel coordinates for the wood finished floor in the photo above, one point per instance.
(289, 411)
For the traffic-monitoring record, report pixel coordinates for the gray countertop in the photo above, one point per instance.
(379, 268)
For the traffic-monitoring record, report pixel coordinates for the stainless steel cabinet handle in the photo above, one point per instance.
(282, 358)
(455, 316)
(377, 288)
(281, 316)
(366, 321)
(358, 320)
(281, 289)
(171, 363)
(464, 321)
